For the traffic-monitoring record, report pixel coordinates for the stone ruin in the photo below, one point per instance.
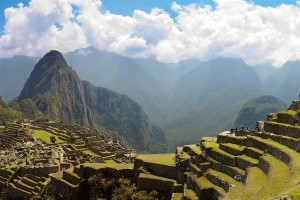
(27, 162)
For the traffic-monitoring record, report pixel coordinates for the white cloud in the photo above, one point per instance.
(234, 28)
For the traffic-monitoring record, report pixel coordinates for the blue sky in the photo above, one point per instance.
(126, 7)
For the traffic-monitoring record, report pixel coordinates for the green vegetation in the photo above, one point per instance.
(45, 136)
(121, 189)
(110, 161)
(257, 109)
(109, 165)
(86, 105)
(89, 152)
(163, 159)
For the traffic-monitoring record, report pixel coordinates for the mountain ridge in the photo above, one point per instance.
(59, 93)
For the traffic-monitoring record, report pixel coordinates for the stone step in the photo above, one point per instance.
(205, 189)
(189, 194)
(195, 169)
(253, 152)
(268, 145)
(243, 162)
(71, 177)
(256, 179)
(278, 174)
(17, 192)
(23, 186)
(222, 180)
(234, 172)
(223, 157)
(29, 182)
(233, 149)
(33, 178)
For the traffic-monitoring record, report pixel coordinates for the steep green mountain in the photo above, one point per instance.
(13, 74)
(257, 109)
(285, 82)
(59, 94)
(123, 75)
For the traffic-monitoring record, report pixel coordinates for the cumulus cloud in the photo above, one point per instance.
(233, 28)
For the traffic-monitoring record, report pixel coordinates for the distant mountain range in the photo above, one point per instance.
(59, 94)
(187, 99)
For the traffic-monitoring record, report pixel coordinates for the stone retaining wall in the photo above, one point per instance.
(158, 169)
(218, 181)
(281, 129)
(223, 158)
(229, 139)
(251, 153)
(264, 165)
(243, 163)
(163, 186)
(287, 141)
(286, 118)
(276, 152)
(230, 150)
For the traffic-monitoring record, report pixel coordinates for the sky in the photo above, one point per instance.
(259, 32)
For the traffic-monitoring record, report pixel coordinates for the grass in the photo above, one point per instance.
(45, 136)
(150, 176)
(163, 159)
(289, 112)
(234, 146)
(236, 187)
(2, 127)
(291, 185)
(210, 144)
(177, 196)
(278, 178)
(196, 149)
(106, 165)
(205, 184)
(256, 180)
(190, 193)
(252, 160)
(110, 161)
(89, 153)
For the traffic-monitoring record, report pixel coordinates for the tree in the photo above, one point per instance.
(52, 139)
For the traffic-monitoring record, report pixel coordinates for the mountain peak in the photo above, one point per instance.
(52, 59)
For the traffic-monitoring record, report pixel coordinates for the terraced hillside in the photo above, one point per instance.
(244, 165)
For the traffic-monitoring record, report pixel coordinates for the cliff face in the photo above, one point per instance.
(59, 94)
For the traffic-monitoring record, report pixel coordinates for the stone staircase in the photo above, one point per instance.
(25, 187)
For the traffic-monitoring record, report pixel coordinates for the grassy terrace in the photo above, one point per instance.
(89, 153)
(236, 187)
(234, 146)
(204, 183)
(289, 112)
(150, 176)
(106, 165)
(252, 160)
(256, 180)
(45, 136)
(110, 161)
(195, 148)
(278, 179)
(294, 178)
(163, 159)
(210, 144)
